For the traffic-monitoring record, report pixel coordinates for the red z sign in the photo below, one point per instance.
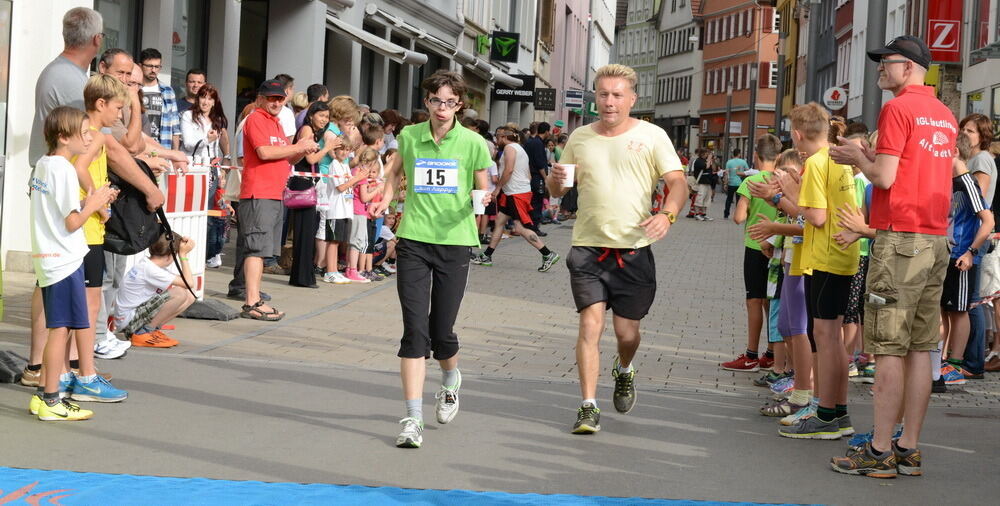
(944, 30)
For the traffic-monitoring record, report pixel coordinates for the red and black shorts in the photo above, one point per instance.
(517, 206)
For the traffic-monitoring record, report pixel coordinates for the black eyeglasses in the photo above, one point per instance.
(437, 102)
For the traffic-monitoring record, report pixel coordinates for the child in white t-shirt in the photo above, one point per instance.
(58, 247)
(335, 223)
(153, 293)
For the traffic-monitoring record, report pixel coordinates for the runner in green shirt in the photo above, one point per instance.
(441, 160)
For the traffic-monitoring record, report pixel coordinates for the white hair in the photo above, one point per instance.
(80, 25)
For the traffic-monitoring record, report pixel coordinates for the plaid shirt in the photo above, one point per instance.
(170, 119)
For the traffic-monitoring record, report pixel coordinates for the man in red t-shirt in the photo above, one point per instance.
(911, 170)
(267, 158)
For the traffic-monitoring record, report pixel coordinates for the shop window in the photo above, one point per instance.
(122, 24)
(190, 46)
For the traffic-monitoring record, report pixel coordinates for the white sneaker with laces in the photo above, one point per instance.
(390, 267)
(111, 347)
(446, 406)
(412, 434)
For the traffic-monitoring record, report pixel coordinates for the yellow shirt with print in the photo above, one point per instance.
(93, 229)
(827, 185)
(615, 178)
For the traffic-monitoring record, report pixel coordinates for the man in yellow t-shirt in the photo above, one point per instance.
(826, 187)
(619, 161)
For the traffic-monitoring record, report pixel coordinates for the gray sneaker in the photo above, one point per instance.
(548, 261)
(588, 420)
(412, 435)
(812, 428)
(625, 396)
(482, 259)
(846, 428)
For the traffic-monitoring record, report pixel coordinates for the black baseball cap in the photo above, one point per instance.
(271, 88)
(909, 46)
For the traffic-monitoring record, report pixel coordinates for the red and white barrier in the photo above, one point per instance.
(186, 208)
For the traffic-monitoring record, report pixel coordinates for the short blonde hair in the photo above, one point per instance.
(617, 70)
(811, 120)
(103, 86)
(300, 101)
(343, 107)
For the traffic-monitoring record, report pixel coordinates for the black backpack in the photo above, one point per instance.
(132, 227)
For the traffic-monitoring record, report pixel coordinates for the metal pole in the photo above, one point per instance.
(871, 102)
(753, 114)
(729, 112)
(813, 47)
(780, 92)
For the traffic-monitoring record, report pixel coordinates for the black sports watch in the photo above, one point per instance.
(974, 251)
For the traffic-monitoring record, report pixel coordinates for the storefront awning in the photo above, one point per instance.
(464, 58)
(375, 43)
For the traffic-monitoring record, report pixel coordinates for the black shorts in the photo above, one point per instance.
(957, 293)
(828, 294)
(93, 267)
(624, 279)
(372, 237)
(755, 273)
(431, 280)
(855, 301)
(338, 230)
(491, 210)
(810, 310)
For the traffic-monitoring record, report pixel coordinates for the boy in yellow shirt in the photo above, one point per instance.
(826, 186)
(104, 96)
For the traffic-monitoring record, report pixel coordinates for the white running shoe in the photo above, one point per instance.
(801, 414)
(389, 267)
(336, 278)
(446, 406)
(214, 262)
(111, 347)
(412, 435)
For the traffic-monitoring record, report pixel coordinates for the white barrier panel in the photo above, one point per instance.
(186, 208)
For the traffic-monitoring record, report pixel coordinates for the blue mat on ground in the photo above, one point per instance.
(32, 486)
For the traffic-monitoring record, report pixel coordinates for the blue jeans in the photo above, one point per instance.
(216, 237)
(975, 349)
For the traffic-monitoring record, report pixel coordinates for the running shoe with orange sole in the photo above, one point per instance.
(164, 337)
(150, 340)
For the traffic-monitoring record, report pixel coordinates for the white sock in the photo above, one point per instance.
(625, 370)
(591, 401)
(936, 362)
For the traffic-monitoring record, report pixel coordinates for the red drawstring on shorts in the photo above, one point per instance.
(618, 256)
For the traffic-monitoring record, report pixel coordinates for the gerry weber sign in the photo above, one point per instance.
(525, 93)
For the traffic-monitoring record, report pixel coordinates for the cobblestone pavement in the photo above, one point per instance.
(315, 397)
(515, 322)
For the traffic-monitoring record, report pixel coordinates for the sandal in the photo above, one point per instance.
(780, 408)
(254, 312)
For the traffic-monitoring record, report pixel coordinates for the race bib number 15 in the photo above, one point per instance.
(435, 175)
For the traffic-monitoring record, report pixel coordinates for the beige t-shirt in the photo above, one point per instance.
(616, 177)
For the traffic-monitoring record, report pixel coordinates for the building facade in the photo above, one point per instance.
(678, 73)
(636, 46)
(981, 60)
(740, 73)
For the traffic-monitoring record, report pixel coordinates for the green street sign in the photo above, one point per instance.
(482, 44)
(504, 47)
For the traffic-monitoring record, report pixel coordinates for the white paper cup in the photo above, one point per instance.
(477, 201)
(570, 169)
